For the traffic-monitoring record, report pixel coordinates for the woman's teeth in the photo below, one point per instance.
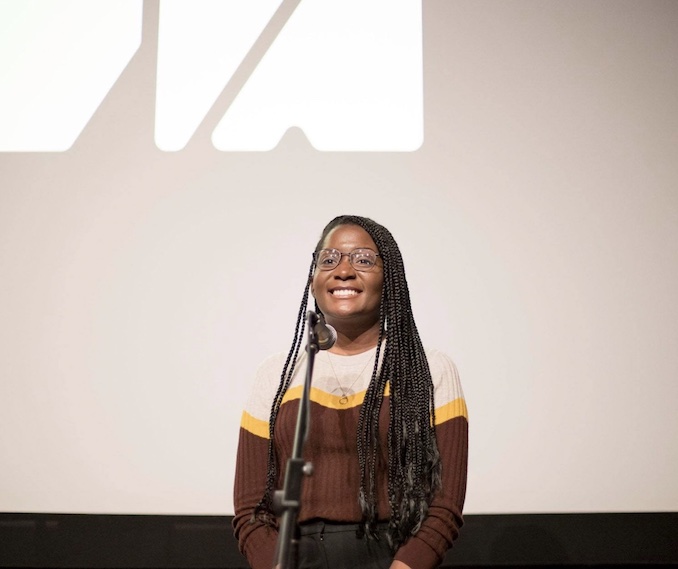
(344, 292)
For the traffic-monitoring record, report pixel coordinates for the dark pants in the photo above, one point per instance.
(325, 545)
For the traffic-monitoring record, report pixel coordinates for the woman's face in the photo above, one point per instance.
(344, 294)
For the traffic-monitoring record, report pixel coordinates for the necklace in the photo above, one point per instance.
(344, 392)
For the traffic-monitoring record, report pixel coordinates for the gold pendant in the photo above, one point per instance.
(343, 400)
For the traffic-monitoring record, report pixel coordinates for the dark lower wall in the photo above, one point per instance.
(567, 540)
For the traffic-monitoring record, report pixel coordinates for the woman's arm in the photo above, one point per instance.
(427, 548)
(256, 540)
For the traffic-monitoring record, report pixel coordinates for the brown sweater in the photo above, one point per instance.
(331, 492)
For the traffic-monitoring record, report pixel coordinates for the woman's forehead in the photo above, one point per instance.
(349, 237)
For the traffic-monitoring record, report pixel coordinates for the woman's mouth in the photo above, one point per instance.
(344, 292)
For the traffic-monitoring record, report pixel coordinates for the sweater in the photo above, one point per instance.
(331, 492)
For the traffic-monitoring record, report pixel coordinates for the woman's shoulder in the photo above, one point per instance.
(445, 376)
(440, 362)
(265, 385)
(271, 363)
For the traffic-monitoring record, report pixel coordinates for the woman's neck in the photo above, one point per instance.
(355, 341)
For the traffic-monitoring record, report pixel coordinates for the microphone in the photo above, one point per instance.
(325, 333)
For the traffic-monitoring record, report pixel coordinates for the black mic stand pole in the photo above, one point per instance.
(288, 500)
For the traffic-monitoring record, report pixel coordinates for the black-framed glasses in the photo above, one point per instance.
(360, 259)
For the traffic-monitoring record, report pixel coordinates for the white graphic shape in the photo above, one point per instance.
(201, 44)
(58, 60)
(349, 74)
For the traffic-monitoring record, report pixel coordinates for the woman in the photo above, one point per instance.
(388, 436)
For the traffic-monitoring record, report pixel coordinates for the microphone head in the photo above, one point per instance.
(327, 335)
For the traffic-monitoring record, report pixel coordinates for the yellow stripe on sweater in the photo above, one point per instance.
(453, 409)
(253, 425)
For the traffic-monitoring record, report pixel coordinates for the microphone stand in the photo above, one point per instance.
(288, 500)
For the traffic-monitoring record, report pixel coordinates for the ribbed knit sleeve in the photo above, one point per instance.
(427, 548)
(256, 540)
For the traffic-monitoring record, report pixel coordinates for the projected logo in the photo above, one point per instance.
(348, 74)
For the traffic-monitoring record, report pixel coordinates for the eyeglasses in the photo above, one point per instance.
(360, 259)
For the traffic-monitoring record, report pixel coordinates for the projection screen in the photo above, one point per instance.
(166, 169)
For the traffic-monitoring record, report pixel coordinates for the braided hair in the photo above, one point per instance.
(413, 458)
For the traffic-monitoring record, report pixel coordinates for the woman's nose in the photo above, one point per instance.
(345, 268)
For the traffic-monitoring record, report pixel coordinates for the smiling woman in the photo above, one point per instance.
(388, 448)
(347, 287)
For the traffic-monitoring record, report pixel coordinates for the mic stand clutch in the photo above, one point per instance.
(288, 500)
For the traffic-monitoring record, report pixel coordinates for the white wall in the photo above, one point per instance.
(538, 221)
